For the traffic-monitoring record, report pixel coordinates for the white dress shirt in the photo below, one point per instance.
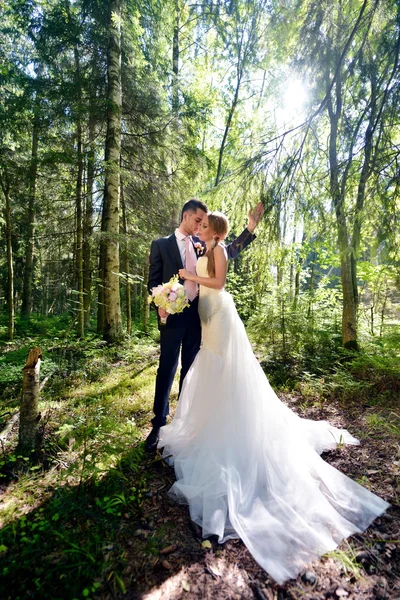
(180, 240)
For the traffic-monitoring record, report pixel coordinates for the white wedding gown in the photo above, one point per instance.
(247, 466)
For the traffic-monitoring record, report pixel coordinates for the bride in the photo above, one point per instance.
(247, 466)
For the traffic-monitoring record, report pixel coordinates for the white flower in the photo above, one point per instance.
(170, 296)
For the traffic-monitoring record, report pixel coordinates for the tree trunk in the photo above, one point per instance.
(349, 309)
(135, 302)
(383, 311)
(10, 267)
(79, 202)
(79, 235)
(29, 416)
(228, 123)
(31, 226)
(45, 293)
(112, 308)
(362, 185)
(311, 288)
(102, 260)
(88, 224)
(283, 324)
(280, 272)
(175, 60)
(349, 312)
(126, 266)
(293, 252)
(298, 272)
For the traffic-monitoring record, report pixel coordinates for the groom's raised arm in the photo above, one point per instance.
(247, 236)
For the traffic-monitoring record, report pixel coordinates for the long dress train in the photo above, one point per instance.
(249, 467)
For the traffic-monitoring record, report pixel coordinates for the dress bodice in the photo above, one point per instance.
(201, 270)
(207, 294)
(212, 318)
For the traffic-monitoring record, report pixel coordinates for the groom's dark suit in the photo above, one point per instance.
(181, 329)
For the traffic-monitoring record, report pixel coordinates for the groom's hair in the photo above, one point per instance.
(192, 205)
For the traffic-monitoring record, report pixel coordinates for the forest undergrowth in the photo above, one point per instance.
(91, 518)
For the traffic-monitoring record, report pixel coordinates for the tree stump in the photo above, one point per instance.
(29, 415)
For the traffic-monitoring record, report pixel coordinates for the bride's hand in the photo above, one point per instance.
(184, 274)
(255, 216)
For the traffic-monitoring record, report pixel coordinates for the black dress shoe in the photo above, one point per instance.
(152, 440)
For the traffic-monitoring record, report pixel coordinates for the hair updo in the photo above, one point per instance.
(219, 225)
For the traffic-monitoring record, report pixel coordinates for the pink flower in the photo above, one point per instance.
(157, 290)
(172, 296)
(199, 248)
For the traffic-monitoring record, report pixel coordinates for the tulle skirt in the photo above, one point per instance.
(250, 468)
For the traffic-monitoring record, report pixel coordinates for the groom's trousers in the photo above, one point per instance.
(182, 331)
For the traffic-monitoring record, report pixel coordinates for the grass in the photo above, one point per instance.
(347, 560)
(65, 520)
(380, 421)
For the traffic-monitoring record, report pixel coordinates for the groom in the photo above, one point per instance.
(167, 256)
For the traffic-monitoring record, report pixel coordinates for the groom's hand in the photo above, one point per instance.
(162, 313)
(255, 216)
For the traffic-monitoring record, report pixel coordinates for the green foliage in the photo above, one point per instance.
(67, 519)
(326, 371)
(74, 539)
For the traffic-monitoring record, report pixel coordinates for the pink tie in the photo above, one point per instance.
(190, 265)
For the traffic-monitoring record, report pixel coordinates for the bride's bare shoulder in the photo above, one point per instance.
(220, 250)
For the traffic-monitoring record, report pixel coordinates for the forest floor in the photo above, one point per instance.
(93, 519)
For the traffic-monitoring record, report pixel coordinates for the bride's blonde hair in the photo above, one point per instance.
(219, 225)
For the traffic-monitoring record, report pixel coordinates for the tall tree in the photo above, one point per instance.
(79, 198)
(128, 301)
(5, 186)
(112, 307)
(88, 218)
(31, 215)
(175, 57)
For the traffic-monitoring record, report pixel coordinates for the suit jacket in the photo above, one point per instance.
(165, 258)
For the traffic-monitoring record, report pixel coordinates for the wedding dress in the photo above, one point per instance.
(249, 467)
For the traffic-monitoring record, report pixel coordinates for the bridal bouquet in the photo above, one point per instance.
(170, 296)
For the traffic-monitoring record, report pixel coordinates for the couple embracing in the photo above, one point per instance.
(247, 466)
